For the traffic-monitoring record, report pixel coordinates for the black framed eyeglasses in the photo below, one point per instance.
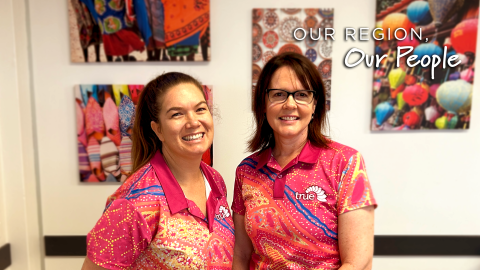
(300, 96)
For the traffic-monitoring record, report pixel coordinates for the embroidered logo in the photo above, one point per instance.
(312, 193)
(222, 213)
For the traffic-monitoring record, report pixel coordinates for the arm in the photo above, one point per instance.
(243, 245)
(355, 239)
(89, 265)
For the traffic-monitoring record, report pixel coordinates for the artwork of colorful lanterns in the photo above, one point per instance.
(415, 95)
(442, 10)
(464, 36)
(411, 119)
(418, 12)
(455, 96)
(429, 49)
(421, 97)
(395, 21)
(383, 111)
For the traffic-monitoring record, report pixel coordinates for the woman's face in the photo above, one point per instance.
(289, 120)
(185, 124)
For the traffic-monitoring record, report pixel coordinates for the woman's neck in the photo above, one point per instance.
(185, 170)
(287, 149)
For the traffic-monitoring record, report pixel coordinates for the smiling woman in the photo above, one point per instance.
(302, 201)
(172, 212)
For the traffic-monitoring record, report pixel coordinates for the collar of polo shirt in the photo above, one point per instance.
(174, 194)
(309, 154)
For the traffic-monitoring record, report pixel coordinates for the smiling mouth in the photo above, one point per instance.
(193, 137)
(289, 118)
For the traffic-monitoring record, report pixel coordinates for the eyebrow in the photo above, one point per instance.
(179, 108)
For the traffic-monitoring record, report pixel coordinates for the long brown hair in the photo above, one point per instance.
(145, 142)
(262, 137)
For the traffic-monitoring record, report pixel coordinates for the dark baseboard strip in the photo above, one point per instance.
(396, 245)
(5, 257)
(385, 245)
(65, 245)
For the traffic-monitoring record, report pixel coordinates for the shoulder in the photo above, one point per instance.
(142, 183)
(250, 161)
(338, 153)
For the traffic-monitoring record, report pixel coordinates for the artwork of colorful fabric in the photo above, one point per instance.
(407, 97)
(139, 30)
(105, 115)
(148, 225)
(272, 34)
(291, 213)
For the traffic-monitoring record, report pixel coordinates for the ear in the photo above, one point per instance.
(158, 131)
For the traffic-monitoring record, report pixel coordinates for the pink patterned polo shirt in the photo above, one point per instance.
(291, 213)
(149, 224)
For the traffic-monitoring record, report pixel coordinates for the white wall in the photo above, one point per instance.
(19, 208)
(424, 182)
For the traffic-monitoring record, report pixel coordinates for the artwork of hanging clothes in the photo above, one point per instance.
(81, 135)
(135, 90)
(119, 90)
(126, 111)
(87, 91)
(110, 116)
(118, 37)
(156, 18)
(93, 150)
(89, 32)
(83, 163)
(94, 119)
(109, 157)
(126, 156)
(185, 22)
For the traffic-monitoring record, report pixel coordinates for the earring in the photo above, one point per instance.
(312, 116)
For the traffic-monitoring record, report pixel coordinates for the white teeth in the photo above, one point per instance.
(289, 118)
(193, 137)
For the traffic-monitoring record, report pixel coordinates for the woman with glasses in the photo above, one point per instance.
(301, 201)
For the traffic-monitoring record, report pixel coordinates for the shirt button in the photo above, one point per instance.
(280, 176)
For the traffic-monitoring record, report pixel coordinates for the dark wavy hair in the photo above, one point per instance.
(307, 73)
(145, 142)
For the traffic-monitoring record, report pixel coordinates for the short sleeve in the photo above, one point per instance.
(354, 190)
(238, 205)
(119, 237)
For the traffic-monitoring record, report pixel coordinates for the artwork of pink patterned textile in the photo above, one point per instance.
(291, 214)
(148, 225)
(108, 111)
(272, 34)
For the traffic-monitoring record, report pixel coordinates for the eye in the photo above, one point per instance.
(176, 115)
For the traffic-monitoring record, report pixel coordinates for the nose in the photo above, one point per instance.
(290, 103)
(192, 121)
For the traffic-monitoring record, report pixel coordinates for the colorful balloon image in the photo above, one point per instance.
(395, 92)
(411, 119)
(418, 12)
(467, 75)
(454, 76)
(410, 80)
(400, 101)
(415, 95)
(442, 10)
(444, 123)
(455, 96)
(431, 114)
(433, 90)
(396, 77)
(464, 36)
(395, 21)
(427, 49)
(408, 41)
(383, 111)
(427, 88)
